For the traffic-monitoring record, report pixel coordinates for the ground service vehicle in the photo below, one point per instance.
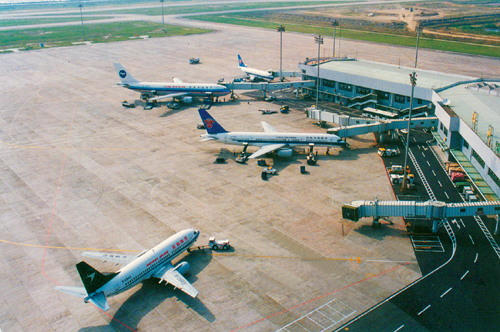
(383, 152)
(398, 169)
(269, 170)
(194, 61)
(398, 178)
(127, 104)
(218, 244)
(268, 111)
(284, 109)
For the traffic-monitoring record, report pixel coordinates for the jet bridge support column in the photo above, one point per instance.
(496, 227)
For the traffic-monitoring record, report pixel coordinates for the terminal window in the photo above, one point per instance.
(345, 87)
(494, 177)
(362, 91)
(399, 99)
(382, 95)
(478, 158)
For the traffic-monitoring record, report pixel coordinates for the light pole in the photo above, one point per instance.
(335, 24)
(162, 17)
(413, 81)
(318, 40)
(418, 37)
(81, 18)
(281, 29)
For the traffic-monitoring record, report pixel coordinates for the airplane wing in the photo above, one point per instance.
(178, 80)
(268, 128)
(266, 149)
(172, 276)
(107, 257)
(172, 95)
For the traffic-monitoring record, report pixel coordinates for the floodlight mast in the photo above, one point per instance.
(318, 40)
(281, 29)
(413, 81)
(335, 24)
(81, 18)
(162, 17)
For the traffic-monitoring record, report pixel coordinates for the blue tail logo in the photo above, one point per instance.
(240, 61)
(212, 126)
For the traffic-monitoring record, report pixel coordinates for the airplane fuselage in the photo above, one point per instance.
(149, 262)
(262, 74)
(193, 89)
(290, 139)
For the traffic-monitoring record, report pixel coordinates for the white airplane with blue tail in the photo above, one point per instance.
(269, 141)
(153, 263)
(254, 74)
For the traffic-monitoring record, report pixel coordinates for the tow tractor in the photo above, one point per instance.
(311, 158)
(218, 244)
(243, 156)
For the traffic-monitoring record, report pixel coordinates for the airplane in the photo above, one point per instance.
(269, 141)
(177, 90)
(153, 263)
(254, 74)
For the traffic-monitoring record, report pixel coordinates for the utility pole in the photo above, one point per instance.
(419, 29)
(413, 81)
(281, 29)
(335, 24)
(162, 17)
(81, 18)
(318, 40)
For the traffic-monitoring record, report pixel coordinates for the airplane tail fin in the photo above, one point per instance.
(125, 76)
(240, 62)
(91, 278)
(212, 126)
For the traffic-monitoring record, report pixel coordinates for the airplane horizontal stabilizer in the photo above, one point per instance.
(266, 149)
(207, 139)
(75, 291)
(99, 300)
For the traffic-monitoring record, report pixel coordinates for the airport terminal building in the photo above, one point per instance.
(468, 108)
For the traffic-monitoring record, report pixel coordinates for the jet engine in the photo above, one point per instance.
(285, 153)
(182, 267)
(187, 99)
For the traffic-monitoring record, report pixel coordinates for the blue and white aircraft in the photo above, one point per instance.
(254, 74)
(268, 141)
(153, 263)
(184, 92)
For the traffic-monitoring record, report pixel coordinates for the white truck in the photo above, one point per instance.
(398, 178)
(218, 244)
(387, 152)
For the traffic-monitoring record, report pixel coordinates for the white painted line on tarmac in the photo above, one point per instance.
(424, 309)
(434, 173)
(475, 260)
(464, 274)
(448, 198)
(462, 222)
(440, 183)
(445, 292)
(399, 328)
(471, 239)
(428, 163)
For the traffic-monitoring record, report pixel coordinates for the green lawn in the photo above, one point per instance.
(430, 43)
(98, 33)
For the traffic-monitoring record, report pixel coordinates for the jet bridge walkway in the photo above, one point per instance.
(436, 211)
(383, 126)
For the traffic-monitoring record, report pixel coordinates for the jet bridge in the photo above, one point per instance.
(383, 126)
(266, 86)
(433, 210)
